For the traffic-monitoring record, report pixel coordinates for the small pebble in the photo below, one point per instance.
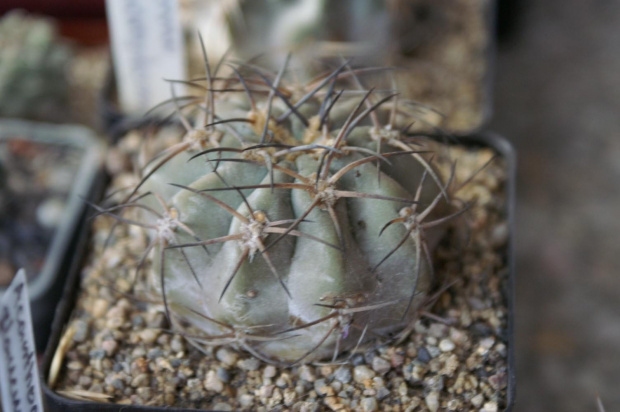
(433, 351)
(501, 349)
(357, 359)
(397, 360)
(97, 354)
(343, 374)
(81, 331)
(213, 383)
(369, 392)
(378, 382)
(246, 400)
(477, 400)
(482, 329)
(382, 393)
(148, 335)
(498, 381)
(223, 374)
(221, 406)
(144, 393)
(423, 355)
(438, 330)
(138, 352)
(118, 384)
(489, 407)
(177, 344)
(362, 372)
(326, 371)
(412, 350)
(446, 345)
(154, 353)
(137, 321)
(380, 365)
(369, 404)
(306, 373)
(115, 317)
(140, 380)
(85, 381)
(403, 390)
(249, 364)
(265, 391)
(432, 401)
(100, 307)
(109, 346)
(337, 385)
(269, 371)
(434, 383)
(454, 405)
(485, 345)
(193, 383)
(499, 235)
(281, 382)
(226, 356)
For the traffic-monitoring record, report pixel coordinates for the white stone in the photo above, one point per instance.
(432, 401)
(213, 383)
(446, 345)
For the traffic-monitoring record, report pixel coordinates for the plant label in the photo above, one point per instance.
(147, 47)
(19, 374)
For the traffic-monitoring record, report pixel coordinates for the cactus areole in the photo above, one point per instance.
(292, 220)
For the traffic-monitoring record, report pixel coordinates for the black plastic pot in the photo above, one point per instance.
(57, 244)
(56, 402)
(115, 123)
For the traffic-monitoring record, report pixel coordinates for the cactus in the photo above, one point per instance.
(375, 30)
(33, 77)
(299, 221)
(440, 46)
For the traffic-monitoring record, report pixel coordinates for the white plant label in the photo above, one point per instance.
(147, 47)
(19, 374)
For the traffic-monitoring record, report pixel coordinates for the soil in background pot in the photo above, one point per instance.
(35, 182)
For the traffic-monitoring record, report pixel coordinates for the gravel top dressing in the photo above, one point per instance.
(119, 347)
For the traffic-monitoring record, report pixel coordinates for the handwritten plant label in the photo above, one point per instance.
(19, 375)
(147, 47)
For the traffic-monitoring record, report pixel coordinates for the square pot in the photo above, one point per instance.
(500, 146)
(48, 172)
(455, 63)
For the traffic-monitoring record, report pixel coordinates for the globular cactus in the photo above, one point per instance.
(33, 68)
(299, 221)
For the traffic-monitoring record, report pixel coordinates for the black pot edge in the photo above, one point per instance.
(58, 403)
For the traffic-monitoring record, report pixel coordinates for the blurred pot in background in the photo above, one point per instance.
(46, 174)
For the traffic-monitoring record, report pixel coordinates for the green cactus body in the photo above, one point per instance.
(320, 27)
(298, 247)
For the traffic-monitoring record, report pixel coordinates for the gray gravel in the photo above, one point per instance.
(127, 355)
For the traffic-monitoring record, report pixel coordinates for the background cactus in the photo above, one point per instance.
(441, 46)
(373, 29)
(33, 68)
(299, 221)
